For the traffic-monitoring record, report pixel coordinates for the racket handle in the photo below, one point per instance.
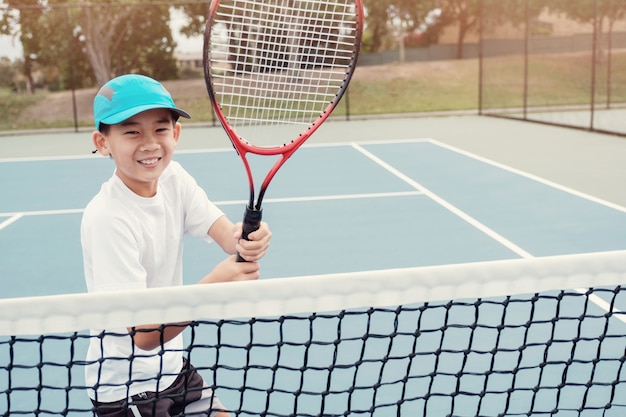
(251, 222)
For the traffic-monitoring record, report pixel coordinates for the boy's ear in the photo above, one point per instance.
(100, 142)
(177, 129)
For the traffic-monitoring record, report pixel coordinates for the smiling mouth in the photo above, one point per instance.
(151, 161)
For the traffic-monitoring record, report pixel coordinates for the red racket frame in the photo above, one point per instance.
(243, 148)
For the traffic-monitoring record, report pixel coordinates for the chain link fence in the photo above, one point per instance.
(562, 68)
(562, 65)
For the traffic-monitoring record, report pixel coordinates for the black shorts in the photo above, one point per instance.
(188, 389)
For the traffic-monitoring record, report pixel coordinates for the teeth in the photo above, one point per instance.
(149, 161)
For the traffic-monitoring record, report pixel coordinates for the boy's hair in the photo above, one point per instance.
(130, 94)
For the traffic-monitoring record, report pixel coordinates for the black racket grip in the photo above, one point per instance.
(251, 222)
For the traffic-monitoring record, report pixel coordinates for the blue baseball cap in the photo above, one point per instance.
(125, 96)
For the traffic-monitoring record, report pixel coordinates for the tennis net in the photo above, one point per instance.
(538, 337)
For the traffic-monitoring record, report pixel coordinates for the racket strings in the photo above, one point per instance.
(282, 61)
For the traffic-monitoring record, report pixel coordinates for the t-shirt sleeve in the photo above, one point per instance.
(200, 212)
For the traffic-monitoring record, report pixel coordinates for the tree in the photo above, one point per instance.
(77, 43)
(410, 15)
(9, 19)
(148, 46)
(26, 16)
(7, 73)
(134, 38)
(466, 14)
(470, 15)
(377, 16)
(593, 12)
(585, 11)
(58, 50)
(494, 13)
(197, 14)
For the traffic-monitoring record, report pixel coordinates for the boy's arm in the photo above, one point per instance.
(226, 234)
(223, 233)
(151, 336)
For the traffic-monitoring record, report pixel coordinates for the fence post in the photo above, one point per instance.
(594, 52)
(526, 56)
(480, 56)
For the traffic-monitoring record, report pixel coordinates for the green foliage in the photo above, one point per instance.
(56, 34)
(586, 11)
(196, 15)
(147, 47)
(59, 44)
(7, 73)
(387, 20)
(516, 12)
(12, 105)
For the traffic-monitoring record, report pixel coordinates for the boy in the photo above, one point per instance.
(132, 236)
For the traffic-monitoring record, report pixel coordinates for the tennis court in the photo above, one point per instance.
(363, 195)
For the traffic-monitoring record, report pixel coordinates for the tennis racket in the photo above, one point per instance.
(279, 63)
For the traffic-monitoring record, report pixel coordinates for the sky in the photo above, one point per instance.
(9, 48)
(12, 48)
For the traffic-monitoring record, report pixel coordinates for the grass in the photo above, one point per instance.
(398, 96)
(417, 88)
(12, 106)
(554, 80)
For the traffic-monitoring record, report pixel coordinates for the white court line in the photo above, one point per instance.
(49, 158)
(15, 217)
(529, 176)
(603, 305)
(594, 298)
(227, 149)
(461, 214)
(229, 203)
(598, 301)
(343, 197)
(98, 156)
(41, 213)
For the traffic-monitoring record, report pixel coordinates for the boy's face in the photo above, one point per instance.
(142, 147)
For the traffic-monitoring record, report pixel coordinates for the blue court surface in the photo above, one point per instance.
(334, 207)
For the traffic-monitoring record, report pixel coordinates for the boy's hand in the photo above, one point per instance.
(257, 244)
(230, 270)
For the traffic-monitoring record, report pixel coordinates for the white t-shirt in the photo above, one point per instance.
(132, 242)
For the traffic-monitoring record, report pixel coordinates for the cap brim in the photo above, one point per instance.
(128, 113)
